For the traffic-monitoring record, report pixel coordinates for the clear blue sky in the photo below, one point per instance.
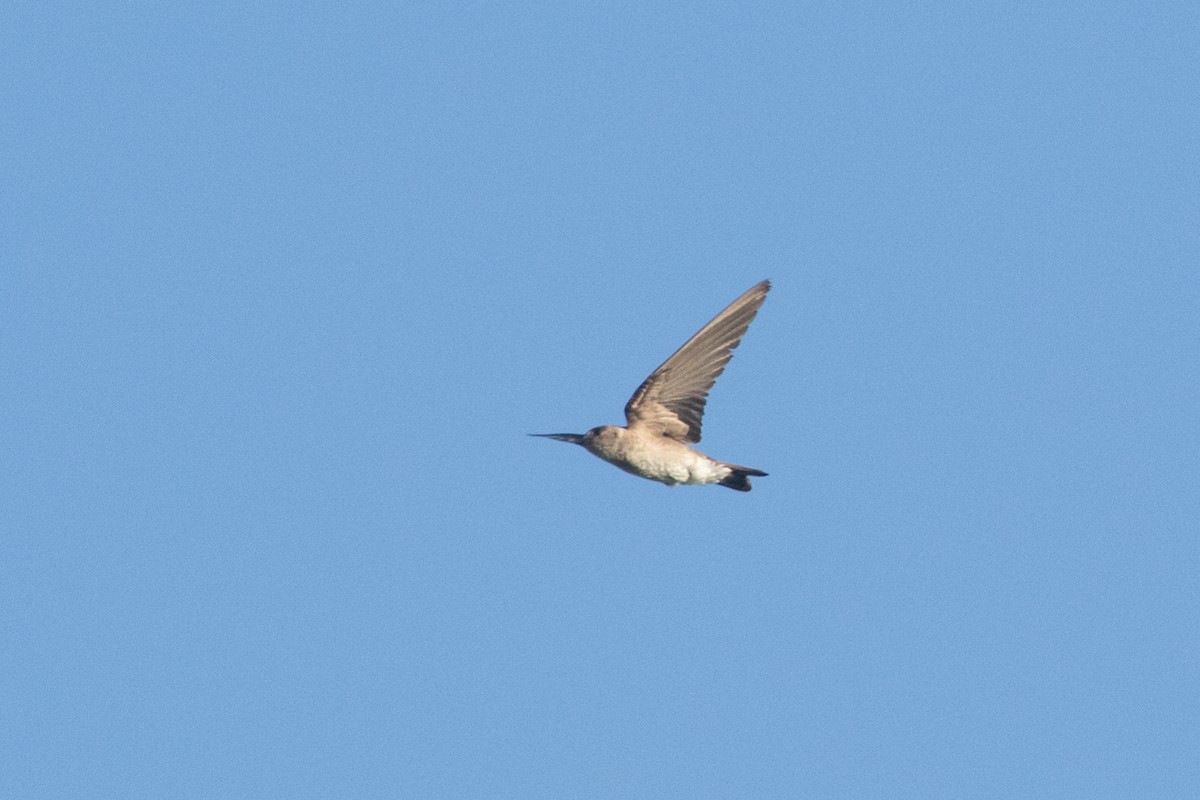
(284, 288)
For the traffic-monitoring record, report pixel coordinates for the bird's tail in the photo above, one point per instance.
(738, 477)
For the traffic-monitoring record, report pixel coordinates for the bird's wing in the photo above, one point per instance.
(672, 399)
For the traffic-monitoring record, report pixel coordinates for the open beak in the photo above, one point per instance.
(573, 438)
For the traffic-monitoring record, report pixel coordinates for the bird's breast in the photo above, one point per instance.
(660, 458)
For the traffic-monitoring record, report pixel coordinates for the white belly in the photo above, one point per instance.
(671, 465)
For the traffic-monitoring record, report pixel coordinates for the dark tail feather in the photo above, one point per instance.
(739, 477)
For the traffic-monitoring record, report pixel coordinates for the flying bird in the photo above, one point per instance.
(663, 416)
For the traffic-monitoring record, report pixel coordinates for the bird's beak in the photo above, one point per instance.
(573, 438)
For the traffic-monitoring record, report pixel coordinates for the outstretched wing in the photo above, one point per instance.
(672, 399)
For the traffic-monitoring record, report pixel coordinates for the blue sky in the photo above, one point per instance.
(284, 288)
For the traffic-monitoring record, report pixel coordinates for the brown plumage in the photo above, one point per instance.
(664, 415)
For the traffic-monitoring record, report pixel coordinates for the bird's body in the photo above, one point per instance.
(664, 413)
(656, 457)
